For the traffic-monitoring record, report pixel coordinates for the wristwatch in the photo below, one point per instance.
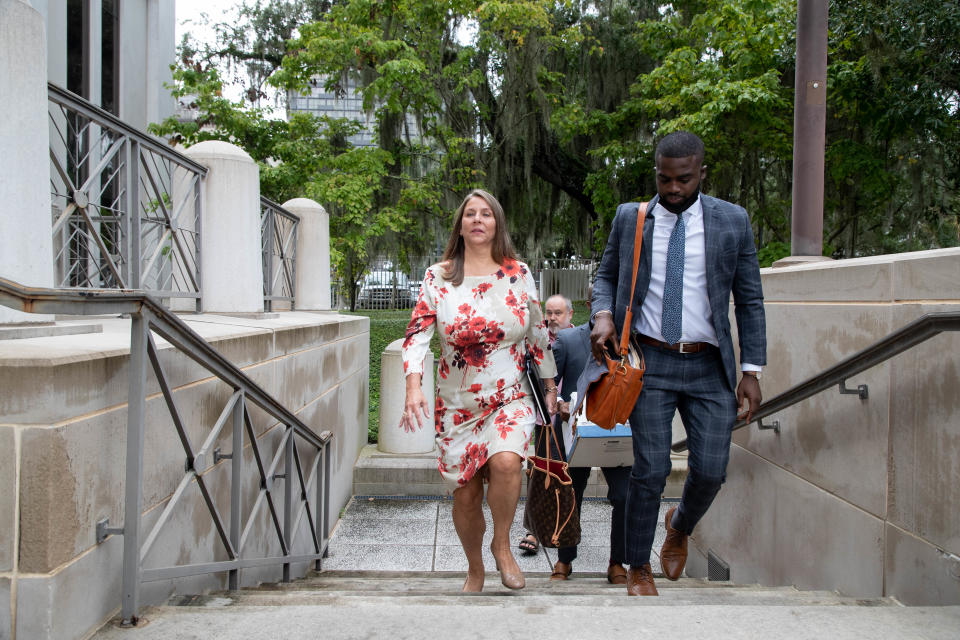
(755, 374)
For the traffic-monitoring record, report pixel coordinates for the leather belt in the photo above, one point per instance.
(681, 347)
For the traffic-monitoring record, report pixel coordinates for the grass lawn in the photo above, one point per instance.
(387, 325)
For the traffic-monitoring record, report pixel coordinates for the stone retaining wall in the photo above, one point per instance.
(857, 495)
(63, 418)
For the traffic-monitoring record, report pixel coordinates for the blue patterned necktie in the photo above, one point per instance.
(672, 317)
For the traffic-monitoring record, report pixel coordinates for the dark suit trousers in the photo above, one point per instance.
(695, 385)
(618, 479)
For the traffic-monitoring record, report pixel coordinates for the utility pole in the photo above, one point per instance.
(809, 133)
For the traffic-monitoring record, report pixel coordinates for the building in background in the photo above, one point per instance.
(345, 103)
(114, 53)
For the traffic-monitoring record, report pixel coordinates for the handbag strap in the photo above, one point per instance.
(549, 454)
(637, 242)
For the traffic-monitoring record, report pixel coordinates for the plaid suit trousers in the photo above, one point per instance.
(695, 385)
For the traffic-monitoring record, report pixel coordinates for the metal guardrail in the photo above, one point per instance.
(278, 238)
(148, 316)
(910, 335)
(126, 207)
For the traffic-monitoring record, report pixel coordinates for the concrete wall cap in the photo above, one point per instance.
(867, 261)
(217, 149)
(303, 203)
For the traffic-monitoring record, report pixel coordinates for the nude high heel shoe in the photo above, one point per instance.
(509, 579)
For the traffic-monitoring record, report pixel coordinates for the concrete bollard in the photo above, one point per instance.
(393, 393)
(313, 255)
(231, 263)
(26, 244)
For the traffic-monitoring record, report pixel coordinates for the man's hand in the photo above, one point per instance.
(563, 408)
(749, 390)
(602, 333)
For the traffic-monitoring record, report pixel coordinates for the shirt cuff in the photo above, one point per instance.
(750, 367)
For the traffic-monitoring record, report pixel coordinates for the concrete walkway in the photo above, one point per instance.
(411, 534)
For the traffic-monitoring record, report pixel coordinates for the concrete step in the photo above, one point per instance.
(415, 474)
(405, 587)
(416, 605)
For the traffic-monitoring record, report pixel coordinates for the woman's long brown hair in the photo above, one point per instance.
(502, 248)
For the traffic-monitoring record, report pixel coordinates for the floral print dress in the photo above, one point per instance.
(483, 403)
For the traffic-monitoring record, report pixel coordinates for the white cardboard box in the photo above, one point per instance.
(594, 446)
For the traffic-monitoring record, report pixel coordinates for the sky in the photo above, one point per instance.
(189, 15)
(189, 11)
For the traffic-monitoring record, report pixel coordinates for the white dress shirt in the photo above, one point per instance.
(696, 321)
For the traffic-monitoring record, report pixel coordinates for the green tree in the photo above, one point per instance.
(722, 69)
(556, 105)
(303, 157)
(893, 156)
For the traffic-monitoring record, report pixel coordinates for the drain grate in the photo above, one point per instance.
(717, 569)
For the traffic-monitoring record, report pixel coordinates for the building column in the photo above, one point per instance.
(26, 246)
(313, 255)
(231, 266)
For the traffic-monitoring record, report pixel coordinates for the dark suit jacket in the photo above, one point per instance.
(731, 265)
(570, 352)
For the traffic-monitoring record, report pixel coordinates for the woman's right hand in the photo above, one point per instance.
(415, 409)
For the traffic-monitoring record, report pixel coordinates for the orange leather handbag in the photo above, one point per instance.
(610, 399)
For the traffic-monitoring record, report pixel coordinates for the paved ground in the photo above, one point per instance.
(410, 534)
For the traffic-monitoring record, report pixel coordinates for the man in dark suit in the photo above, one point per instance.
(696, 251)
(571, 352)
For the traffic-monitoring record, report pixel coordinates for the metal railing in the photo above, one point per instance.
(302, 454)
(910, 335)
(126, 207)
(278, 238)
(566, 277)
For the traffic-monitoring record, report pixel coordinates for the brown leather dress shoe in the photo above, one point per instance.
(640, 581)
(561, 571)
(673, 553)
(616, 574)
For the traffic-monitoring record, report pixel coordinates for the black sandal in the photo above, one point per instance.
(528, 544)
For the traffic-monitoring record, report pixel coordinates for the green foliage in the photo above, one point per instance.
(555, 106)
(771, 252)
(893, 164)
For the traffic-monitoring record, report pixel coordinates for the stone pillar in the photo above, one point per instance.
(313, 254)
(393, 392)
(231, 267)
(26, 247)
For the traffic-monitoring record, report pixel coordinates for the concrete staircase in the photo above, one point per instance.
(400, 605)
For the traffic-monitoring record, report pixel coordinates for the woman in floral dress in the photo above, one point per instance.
(484, 304)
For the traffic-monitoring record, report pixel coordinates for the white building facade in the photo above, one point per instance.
(115, 53)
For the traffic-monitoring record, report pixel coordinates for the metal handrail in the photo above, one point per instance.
(278, 237)
(69, 99)
(127, 208)
(910, 335)
(149, 316)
